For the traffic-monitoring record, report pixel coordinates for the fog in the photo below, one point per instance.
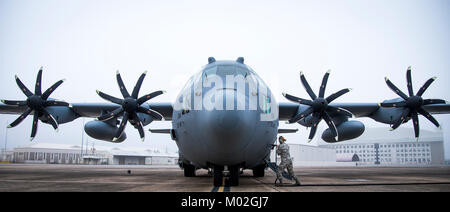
(85, 42)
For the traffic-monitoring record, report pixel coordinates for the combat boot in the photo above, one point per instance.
(297, 182)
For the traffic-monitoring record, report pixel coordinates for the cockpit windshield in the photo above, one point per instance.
(231, 70)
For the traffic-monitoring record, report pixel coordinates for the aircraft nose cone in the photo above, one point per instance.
(228, 121)
(228, 131)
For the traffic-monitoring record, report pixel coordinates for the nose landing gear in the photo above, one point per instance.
(229, 178)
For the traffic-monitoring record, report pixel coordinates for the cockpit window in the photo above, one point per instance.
(210, 71)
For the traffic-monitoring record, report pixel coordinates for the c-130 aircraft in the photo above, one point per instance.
(225, 118)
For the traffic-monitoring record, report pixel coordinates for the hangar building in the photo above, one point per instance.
(99, 155)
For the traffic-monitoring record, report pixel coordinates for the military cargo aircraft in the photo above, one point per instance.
(225, 118)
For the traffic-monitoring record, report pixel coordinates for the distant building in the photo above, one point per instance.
(6, 156)
(398, 147)
(72, 154)
(306, 155)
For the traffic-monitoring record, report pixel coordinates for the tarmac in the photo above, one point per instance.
(88, 178)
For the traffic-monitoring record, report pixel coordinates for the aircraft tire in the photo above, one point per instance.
(259, 170)
(234, 175)
(189, 170)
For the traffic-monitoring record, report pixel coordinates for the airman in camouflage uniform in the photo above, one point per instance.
(286, 161)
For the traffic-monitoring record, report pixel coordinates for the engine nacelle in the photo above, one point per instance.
(61, 114)
(103, 131)
(346, 131)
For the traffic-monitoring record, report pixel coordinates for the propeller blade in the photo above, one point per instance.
(298, 100)
(331, 125)
(122, 126)
(50, 90)
(35, 125)
(312, 132)
(37, 89)
(324, 84)
(393, 104)
(433, 101)
(56, 103)
(149, 96)
(122, 87)
(401, 119)
(138, 86)
(23, 88)
(336, 95)
(307, 87)
(109, 98)
(16, 103)
(154, 114)
(409, 81)
(20, 118)
(111, 115)
(139, 126)
(395, 89)
(50, 119)
(428, 116)
(415, 119)
(425, 86)
(301, 115)
(340, 111)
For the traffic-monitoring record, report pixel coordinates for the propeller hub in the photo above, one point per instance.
(320, 104)
(35, 102)
(414, 102)
(130, 105)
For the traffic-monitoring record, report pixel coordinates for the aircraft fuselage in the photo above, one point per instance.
(225, 116)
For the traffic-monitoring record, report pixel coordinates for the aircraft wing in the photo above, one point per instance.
(90, 110)
(288, 110)
(94, 110)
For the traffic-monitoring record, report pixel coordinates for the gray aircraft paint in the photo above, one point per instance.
(230, 135)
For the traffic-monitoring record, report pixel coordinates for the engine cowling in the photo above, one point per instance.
(346, 131)
(103, 131)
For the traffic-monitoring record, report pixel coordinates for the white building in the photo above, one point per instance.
(72, 154)
(398, 147)
(305, 155)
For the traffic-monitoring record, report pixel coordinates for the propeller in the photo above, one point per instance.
(130, 106)
(412, 105)
(319, 106)
(36, 103)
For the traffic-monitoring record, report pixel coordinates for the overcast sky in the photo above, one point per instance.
(85, 42)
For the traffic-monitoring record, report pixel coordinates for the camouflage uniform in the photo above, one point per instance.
(286, 163)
